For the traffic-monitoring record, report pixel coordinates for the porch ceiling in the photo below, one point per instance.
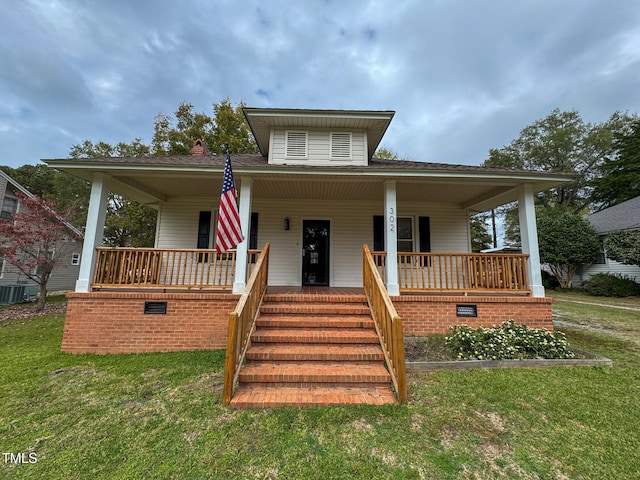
(156, 180)
(360, 188)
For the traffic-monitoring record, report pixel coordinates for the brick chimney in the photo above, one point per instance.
(199, 148)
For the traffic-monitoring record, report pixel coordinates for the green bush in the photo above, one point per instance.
(506, 341)
(609, 285)
(549, 281)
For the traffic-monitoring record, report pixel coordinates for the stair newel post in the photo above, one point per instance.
(400, 366)
(230, 359)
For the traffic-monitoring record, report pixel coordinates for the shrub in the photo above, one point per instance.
(549, 281)
(506, 341)
(608, 285)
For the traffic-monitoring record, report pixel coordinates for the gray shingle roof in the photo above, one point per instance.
(624, 216)
(257, 160)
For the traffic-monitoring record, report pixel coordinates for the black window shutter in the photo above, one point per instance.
(378, 233)
(204, 229)
(424, 229)
(253, 232)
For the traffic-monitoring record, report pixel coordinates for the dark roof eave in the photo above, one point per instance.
(257, 163)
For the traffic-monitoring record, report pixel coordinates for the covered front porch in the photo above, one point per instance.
(145, 300)
(206, 270)
(414, 218)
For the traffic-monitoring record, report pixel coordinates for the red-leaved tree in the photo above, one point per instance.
(36, 241)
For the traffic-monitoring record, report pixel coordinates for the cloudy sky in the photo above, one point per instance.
(463, 76)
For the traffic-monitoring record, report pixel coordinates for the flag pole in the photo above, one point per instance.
(229, 231)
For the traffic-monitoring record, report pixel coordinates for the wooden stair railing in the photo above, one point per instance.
(388, 323)
(241, 322)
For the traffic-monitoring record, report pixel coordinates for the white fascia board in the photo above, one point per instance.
(311, 170)
(289, 113)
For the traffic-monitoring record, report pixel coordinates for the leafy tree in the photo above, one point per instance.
(624, 246)
(385, 152)
(131, 224)
(128, 223)
(36, 241)
(480, 237)
(227, 127)
(560, 143)
(566, 240)
(38, 179)
(620, 173)
(66, 191)
(563, 143)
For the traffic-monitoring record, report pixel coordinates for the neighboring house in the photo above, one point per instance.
(316, 195)
(624, 216)
(64, 276)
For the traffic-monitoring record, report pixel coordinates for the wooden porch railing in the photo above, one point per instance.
(241, 322)
(388, 323)
(459, 272)
(201, 269)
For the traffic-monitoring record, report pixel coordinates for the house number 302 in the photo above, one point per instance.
(392, 220)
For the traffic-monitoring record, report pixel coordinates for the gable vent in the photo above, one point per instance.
(296, 144)
(340, 145)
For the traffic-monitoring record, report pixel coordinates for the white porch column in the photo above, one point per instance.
(244, 210)
(93, 233)
(529, 239)
(391, 237)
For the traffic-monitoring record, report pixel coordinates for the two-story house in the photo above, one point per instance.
(64, 277)
(316, 194)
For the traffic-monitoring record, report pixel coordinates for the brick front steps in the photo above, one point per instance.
(313, 350)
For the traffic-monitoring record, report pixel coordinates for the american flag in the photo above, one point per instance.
(229, 232)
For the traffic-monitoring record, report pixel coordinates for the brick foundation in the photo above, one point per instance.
(115, 322)
(425, 315)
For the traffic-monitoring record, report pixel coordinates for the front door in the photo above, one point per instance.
(315, 253)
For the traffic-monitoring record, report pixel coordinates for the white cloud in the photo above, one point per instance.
(463, 76)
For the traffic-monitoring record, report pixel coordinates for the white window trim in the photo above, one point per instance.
(413, 232)
(306, 144)
(350, 156)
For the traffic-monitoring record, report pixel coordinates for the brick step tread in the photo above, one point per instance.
(313, 373)
(314, 298)
(273, 397)
(315, 335)
(319, 309)
(292, 321)
(322, 353)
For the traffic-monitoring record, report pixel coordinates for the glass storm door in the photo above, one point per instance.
(315, 253)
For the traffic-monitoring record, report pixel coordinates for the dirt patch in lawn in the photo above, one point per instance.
(28, 310)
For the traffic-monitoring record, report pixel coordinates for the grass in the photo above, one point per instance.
(579, 309)
(159, 416)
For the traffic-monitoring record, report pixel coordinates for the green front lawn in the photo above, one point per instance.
(159, 416)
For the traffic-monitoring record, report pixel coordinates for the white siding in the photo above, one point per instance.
(319, 151)
(178, 222)
(612, 267)
(351, 227)
(449, 225)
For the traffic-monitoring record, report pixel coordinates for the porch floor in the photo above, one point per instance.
(337, 291)
(315, 290)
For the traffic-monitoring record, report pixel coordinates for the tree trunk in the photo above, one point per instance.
(42, 298)
(564, 274)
